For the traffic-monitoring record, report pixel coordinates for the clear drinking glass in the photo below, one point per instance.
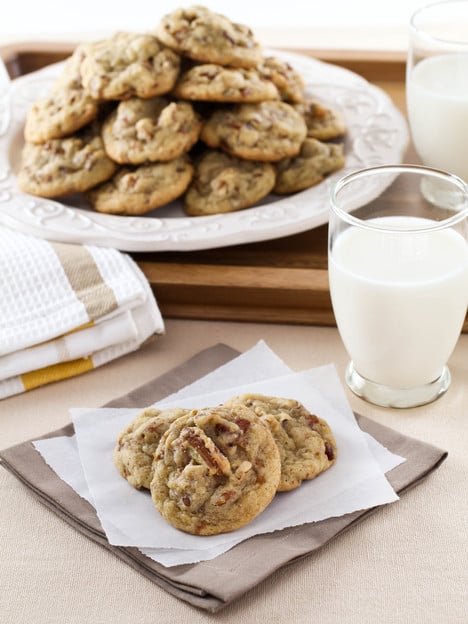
(398, 271)
(437, 85)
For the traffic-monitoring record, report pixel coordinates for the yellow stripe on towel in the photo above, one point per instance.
(56, 372)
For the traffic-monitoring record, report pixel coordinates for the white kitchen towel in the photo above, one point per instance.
(66, 309)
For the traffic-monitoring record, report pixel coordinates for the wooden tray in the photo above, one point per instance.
(283, 280)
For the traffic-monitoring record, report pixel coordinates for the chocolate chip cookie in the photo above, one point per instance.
(306, 443)
(215, 470)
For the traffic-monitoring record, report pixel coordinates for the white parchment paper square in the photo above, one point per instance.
(128, 517)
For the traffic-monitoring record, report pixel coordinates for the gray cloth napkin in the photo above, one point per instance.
(214, 584)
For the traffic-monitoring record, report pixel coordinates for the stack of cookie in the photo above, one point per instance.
(214, 470)
(193, 109)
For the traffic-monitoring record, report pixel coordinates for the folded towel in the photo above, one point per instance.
(66, 309)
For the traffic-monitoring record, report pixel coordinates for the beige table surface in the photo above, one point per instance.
(407, 563)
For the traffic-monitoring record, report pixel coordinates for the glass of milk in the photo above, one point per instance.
(437, 85)
(398, 272)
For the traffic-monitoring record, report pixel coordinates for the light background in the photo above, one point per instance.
(342, 24)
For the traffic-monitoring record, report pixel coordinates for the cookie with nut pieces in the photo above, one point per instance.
(287, 80)
(127, 65)
(137, 443)
(268, 131)
(137, 190)
(208, 37)
(323, 122)
(223, 183)
(66, 109)
(314, 161)
(63, 166)
(154, 129)
(306, 443)
(215, 83)
(215, 470)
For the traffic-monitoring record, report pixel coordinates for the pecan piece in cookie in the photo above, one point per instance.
(212, 475)
(205, 450)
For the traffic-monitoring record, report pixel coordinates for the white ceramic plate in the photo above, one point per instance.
(377, 134)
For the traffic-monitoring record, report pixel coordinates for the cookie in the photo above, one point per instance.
(309, 167)
(305, 442)
(63, 166)
(208, 37)
(224, 183)
(215, 83)
(127, 65)
(66, 109)
(268, 131)
(322, 122)
(150, 130)
(137, 190)
(215, 470)
(137, 443)
(287, 80)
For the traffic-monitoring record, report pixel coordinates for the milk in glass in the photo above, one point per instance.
(399, 300)
(437, 101)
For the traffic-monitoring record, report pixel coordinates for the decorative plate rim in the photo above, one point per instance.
(377, 134)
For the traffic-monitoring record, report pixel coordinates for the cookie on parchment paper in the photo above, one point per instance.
(137, 443)
(215, 470)
(306, 443)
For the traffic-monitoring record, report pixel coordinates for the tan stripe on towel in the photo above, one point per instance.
(85, 279)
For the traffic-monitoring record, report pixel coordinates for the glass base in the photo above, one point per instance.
(386, 396)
